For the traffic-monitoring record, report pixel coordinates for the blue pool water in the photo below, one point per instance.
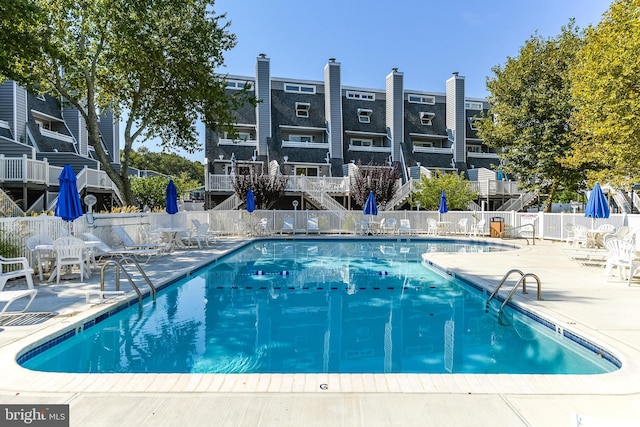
(313, 306)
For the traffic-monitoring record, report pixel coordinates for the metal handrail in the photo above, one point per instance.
(504, 279)
(119, 267)
(522, 280)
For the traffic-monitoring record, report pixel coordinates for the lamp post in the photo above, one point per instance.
(295, 205)
(418, 205)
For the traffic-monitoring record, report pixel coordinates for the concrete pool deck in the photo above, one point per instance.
(573, 295)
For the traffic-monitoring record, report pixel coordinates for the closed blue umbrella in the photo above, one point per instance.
(443, 204)
(370, 206)
(172, 198)
(597, 206)
(251, 201)
(68, 206)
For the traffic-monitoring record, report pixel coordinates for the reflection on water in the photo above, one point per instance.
(319, 306)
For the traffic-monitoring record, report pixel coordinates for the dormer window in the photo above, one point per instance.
(302, 109)
(296, 88)
(421, 99)
(364, 115)
(426, 117)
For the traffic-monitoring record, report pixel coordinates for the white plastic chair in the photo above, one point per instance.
(463, 226)
(432, 227)
(623, 255)
(10, 264)
(70, 251)
(42, 259)
(478, 228)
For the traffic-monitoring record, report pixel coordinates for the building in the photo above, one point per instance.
(317, 132)
(38, 136)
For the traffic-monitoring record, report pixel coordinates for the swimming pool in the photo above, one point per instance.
(312, 306)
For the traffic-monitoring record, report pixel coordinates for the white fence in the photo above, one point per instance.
(548, 226)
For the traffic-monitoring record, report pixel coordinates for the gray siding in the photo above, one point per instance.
(110, 131)
(13, 108)
(263, 109)
(333, 108)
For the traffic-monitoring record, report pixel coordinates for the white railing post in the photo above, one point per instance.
(24, 169)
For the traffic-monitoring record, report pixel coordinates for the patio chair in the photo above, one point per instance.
(569, 229)
(312, 225)
(9, 297)
(287, 225)
(130, 244)
(263, 228)
(579, 235)
(405, 227)
(463, 226)
(70, 251)
(23, 270)
(42, 259)
(200, 235)
(432, 227)
(100, 250)
(389, 226)
(623, 255)
(478, 228)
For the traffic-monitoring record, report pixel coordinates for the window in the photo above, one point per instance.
(302, 109)
(474, 149)
(425, 118)
(422, 99)
(240, 136)
(307, 170)
(237, 84)
(473, 105)
(364, 96)
(364, 115)
(472, 123)
(290, 87)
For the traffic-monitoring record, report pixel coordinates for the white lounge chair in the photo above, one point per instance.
(389, 226)
(405, 227)
(312, 225)
(9, 297)
(24, 270)
(130, 244)
(99, 249)
(287, 225)
(478, 228)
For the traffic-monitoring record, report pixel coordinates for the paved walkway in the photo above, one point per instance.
(574, 295)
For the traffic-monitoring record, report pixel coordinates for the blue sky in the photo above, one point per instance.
(427, 40)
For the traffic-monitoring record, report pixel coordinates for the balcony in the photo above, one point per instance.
(305, 144)
(369, 148)
(56, 135)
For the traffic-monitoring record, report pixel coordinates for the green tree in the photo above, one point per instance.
(529, 119)
(606, 91)
(267, 189)
(427, 191)
(154, 59)
(167, 163)
(383, 181)
(151, 191)
(22, 35)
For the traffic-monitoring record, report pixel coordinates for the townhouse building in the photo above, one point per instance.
(319, 132)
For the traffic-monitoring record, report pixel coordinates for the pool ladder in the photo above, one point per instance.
(523, 280)
(119, 266)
